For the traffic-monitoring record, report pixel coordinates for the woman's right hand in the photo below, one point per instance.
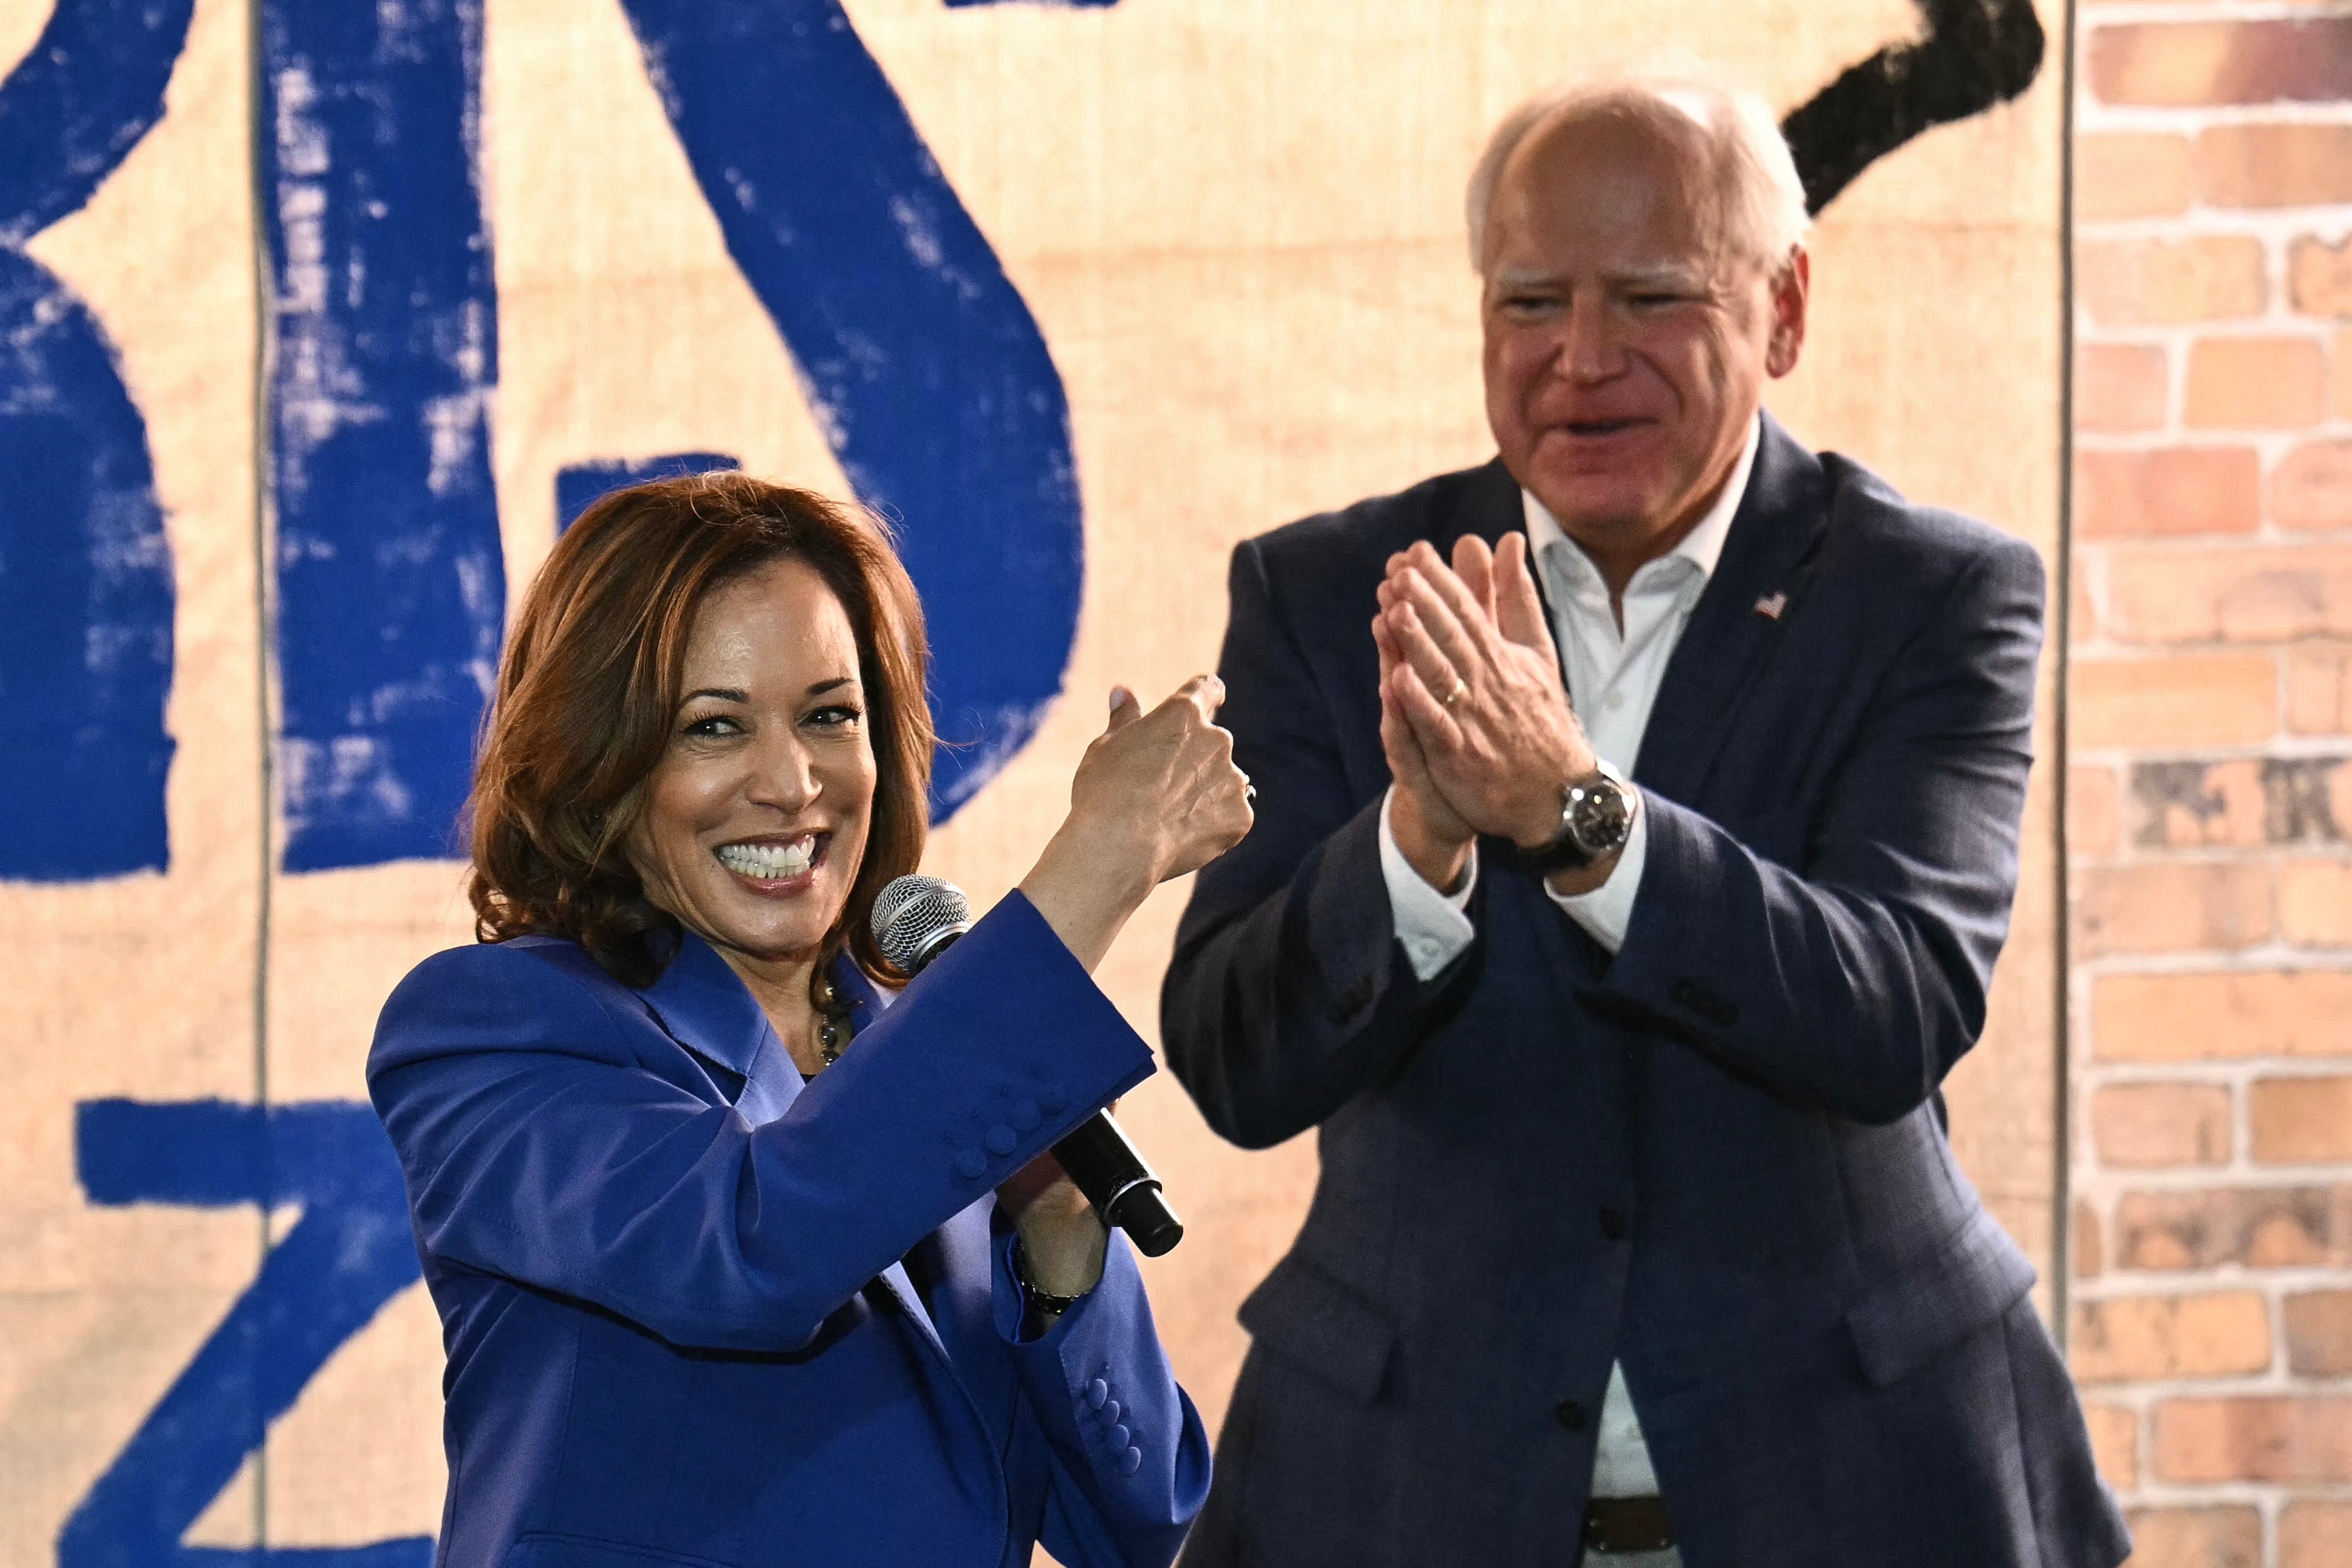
(1156, 796)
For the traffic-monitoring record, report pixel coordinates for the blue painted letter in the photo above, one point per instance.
(349, 1253)
(86, 594)
(391, 584)
(917, 353)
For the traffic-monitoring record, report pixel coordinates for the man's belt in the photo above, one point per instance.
(1627, 1524)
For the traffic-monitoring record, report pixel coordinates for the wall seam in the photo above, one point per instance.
(2061, 1156)
(265, 665)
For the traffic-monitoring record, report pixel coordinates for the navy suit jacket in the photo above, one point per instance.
(670, 1281)
(1718, 1156)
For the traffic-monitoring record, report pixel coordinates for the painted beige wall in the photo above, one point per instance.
(1239, 227)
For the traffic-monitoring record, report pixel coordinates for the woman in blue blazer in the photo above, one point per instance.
(744, 1255)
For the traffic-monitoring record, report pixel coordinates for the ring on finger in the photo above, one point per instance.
(1461, 689)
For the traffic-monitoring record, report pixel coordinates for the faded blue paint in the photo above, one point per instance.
(86, 580)
(918, 355)
(579, 486)
(348, 1255)
(391, 580)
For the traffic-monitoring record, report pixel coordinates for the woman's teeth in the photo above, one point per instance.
(770, 863)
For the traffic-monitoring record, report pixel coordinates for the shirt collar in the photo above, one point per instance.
(1702, 546)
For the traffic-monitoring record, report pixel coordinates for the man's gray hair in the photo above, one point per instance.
(1764, 199)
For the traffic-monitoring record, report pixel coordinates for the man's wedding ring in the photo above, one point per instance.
(1461, 689)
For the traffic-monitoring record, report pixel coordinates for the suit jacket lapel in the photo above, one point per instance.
(1752, 601)
(704, 1007)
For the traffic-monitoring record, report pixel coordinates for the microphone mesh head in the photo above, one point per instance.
(912, 913)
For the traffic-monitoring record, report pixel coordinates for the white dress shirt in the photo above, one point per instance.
(1612, 680)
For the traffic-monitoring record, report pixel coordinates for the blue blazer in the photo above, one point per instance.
(1719, 1156)
(670, 1278)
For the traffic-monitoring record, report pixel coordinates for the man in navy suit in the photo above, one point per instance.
(1619, 898)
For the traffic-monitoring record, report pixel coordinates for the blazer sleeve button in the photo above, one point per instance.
(1121, 1436)
(1130, 1461)
(1003, 1140)
(1110, 1412)
(1096, 1392)
(1570, 1414)
(972, 1165)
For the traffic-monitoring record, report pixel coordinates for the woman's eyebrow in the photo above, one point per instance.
(835, 684)
(724, 694)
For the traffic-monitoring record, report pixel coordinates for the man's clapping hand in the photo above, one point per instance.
(1474, 718)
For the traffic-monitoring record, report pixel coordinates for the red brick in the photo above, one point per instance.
(2292, 165)
(2143, 1124)
(2119, 387)
(2115, 1443)
(2311, 489)
(2168, 491)
(2180, 700)
(2229, 1537)
(2138, 1339)
(2221, 805)
(2130, 174)
(2171, 907)
(2315, 905)
(2319, 689)
(2319, 277)
(2300, 1120)
(2091, 808)
(2314, 1532)
(2181, 64)
(2238, 594)
(2083, 1240)
(2248, 383)
(2253, 1439)
(2255, 1228)
(2319, 1333)
(2223, 1016)
(2138, 282)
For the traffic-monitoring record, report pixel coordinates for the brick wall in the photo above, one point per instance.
(2210, 799)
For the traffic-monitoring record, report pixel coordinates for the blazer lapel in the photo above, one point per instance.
(866, 1002)
(1493, 507)
(706, 1007)
(1753, 599)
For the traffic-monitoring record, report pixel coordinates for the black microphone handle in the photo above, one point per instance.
(1123, 1189)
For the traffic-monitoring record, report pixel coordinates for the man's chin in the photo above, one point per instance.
(1587, 507)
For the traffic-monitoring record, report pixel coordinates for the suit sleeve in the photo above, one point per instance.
(1126, 1452)
(537, 1148)
(1289, 993)
(1854, 982)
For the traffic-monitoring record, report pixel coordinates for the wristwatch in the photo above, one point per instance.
(1596, 817)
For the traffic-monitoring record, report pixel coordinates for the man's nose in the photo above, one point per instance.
(1589, 348)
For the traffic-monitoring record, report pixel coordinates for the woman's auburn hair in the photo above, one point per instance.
(589, 688)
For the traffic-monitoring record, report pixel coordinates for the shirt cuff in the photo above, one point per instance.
(1434, 927)
(1607, 911)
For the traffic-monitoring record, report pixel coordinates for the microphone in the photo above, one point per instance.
(915, 920)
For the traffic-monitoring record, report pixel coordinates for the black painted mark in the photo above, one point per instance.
(1973, 54)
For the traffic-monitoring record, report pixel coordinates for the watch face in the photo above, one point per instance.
(1602, 818)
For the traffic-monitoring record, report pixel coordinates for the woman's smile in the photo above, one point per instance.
(774, 866)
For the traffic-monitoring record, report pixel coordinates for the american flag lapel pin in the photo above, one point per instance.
(1772, 605)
